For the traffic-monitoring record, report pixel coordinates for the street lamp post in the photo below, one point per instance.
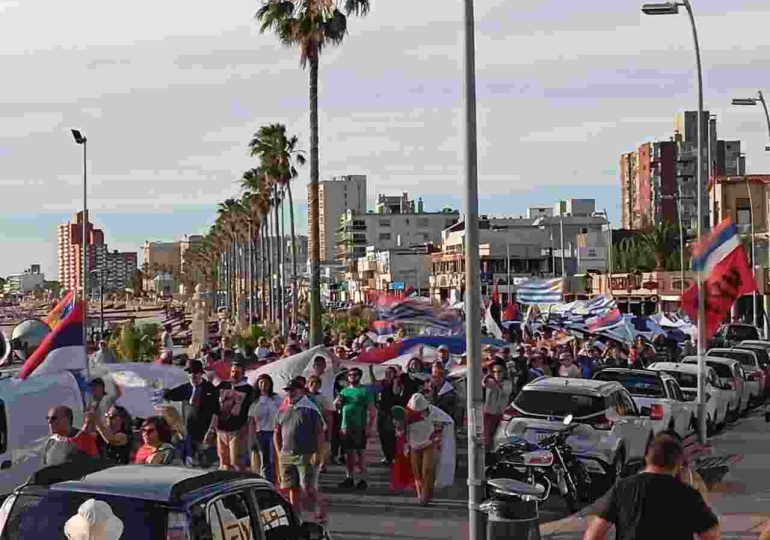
(755, 313)
(672, 8)
(101, 300)
(760, 99)
(475, 401)
(81, 140)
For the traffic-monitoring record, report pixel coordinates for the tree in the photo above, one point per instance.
(279, 156)
(311, 25)
(658, 242)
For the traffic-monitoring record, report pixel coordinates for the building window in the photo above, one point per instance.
(422, 222)
(384, 223)
(742, 212)
(385, 237)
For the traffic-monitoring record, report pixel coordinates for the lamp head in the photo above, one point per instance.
(78, 136)
(664, 8)
(744, 101)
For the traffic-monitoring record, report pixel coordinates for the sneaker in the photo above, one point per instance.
(346, 483)
(361, 485)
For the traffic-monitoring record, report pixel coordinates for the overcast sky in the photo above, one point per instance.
(168, 93)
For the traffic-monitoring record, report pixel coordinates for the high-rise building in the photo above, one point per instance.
(119, 270)
(335, 197)
(70, 253)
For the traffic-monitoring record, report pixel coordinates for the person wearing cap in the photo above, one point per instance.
(356, 404)
(443, 356)
(298, 435)
(235, 397)
(203, 400)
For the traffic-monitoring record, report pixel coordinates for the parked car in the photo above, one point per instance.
(755, 376)
(731, 334)
(732, 377)
(717, 399)
(658, 396)
(612, 435)
(155, 502)
(763, 350)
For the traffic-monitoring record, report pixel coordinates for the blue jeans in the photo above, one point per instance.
(265, 445)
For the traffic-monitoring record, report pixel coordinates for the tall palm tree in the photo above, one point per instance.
(279, 158)
(311, 25)
(257, 186)
(658, 241)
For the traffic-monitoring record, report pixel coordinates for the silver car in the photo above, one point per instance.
(612, 433)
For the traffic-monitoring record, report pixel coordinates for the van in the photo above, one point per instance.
(24, 405)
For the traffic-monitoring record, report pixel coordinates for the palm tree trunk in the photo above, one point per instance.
(269, 258)
(282, 250)
(279, 295)
(293, 257)
(314, 296)
(263, 269)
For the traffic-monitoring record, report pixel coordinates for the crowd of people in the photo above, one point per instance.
(328, 415)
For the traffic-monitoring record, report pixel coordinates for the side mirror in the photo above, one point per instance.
(645, 411)
(312, 531)
(568, 419)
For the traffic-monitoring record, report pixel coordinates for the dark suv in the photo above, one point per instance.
(155, 502)
(732, 334)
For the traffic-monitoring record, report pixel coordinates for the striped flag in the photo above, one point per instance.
(540, 291)
(599, 305)
(610, 320)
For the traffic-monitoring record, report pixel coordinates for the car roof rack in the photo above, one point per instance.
(65, 472)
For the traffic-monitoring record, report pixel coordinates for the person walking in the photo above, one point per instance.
(389, 393)
(568, 368)
(263, 414)
(326, 407)
(298, 435)
(203, 400)
(356, 404)
(422, 453)
(655, 503)
(441, 392)
(235, 398)
(498, 392)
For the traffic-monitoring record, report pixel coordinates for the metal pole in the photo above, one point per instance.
(702, 435)
(508, 272)
(767, 119)
(85, 258)
(475, 402)
(755, 314)
(681, 240)
(101, 305)
(561, 244)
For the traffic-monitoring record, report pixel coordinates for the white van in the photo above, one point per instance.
(24, 405)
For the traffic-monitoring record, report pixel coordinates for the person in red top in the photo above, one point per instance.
(66, 443)
(222, 367)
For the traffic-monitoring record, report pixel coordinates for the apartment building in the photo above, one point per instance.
(335, 197)
(70, 251)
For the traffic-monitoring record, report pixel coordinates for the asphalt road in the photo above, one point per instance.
(378, 514)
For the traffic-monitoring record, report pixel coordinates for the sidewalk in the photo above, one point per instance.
(741, 498)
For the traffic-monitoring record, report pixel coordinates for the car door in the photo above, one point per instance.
(276, 515)
(226, 517)
(677, 410)
(631, 426)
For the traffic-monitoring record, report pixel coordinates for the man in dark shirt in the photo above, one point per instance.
(203, 399)
(235, 398)
(654, 504)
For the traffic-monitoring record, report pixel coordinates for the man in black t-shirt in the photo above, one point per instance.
(654, 504)
(235, 398)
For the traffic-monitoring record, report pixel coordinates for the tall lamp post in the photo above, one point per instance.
(760, 99)
(475, 401)
(672, 8)
(81, 140)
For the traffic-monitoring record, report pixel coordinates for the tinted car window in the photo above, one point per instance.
(723, 371)
(741, 333)
(558, 403)
(275, 515)
(685, 380)
(233, 516)
(760, 352)
(637, 385)
(744, 358)
(43, 516)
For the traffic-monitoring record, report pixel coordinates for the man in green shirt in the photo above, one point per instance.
(356, 403)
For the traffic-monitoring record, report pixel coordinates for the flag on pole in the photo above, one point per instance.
(62, 349)
(610, 320)
(492, 327)
(727, 276)
(56, 314)
(541, 291)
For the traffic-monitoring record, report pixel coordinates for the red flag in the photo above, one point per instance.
(511, 312)
(723, 259)
(495, 295)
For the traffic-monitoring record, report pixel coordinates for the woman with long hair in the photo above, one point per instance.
(176, 424)
(115, 435)
(157, 448)
(262, 416)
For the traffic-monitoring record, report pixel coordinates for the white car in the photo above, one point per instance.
(658, 396)
(755, 376)
(732, 377)
(717, 400)
(612, 433)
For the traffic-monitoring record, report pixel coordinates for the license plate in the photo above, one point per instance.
(540, 435)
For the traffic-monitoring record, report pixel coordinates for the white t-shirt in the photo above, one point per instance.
(265, 412)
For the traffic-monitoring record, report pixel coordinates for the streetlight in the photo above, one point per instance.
(672, 8)
(752, 102)
(101, 300)
(81, 140)
(475, 400)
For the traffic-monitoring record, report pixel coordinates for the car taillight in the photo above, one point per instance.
(601, 422)
(176, 528)
(656, 412)
(510, 413)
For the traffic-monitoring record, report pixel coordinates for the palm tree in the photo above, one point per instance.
(278, 155)
(311, 25)
(658, 241)
(257, 195)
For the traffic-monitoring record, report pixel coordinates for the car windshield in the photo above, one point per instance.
(685, 380)
(558, 403)
(44, 515)
(742, 333)
(723, 370)
(636, 384)
(745, 358)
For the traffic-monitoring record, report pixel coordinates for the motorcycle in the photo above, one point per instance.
(548, 464)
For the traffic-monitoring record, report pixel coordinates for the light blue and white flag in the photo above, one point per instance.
(540, 291)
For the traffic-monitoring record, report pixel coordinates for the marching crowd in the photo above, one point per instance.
(326, 415)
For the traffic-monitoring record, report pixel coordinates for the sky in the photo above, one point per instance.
(168, 94)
